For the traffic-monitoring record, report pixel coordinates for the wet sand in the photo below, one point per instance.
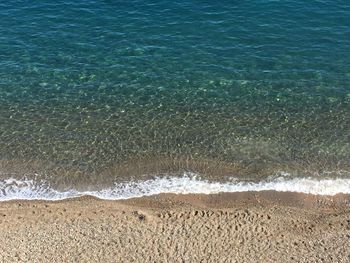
(236, 227)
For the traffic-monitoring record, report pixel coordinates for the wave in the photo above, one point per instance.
(12, 189)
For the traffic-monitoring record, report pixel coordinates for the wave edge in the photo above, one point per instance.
(27, 189)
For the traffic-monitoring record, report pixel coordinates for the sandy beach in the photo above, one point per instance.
(237, 227)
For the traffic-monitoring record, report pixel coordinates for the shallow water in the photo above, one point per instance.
(98, 92)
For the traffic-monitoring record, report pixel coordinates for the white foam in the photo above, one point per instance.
(11, 189)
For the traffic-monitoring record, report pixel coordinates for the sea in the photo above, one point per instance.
(128, 98)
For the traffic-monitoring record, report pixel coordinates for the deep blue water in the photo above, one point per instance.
(93, 91)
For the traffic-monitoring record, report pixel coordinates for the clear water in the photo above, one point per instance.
(97, 92)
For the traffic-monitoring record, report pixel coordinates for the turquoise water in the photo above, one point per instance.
(93, 92)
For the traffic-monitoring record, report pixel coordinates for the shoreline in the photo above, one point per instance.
(213, 200)
(265, 226)
(29, 189)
